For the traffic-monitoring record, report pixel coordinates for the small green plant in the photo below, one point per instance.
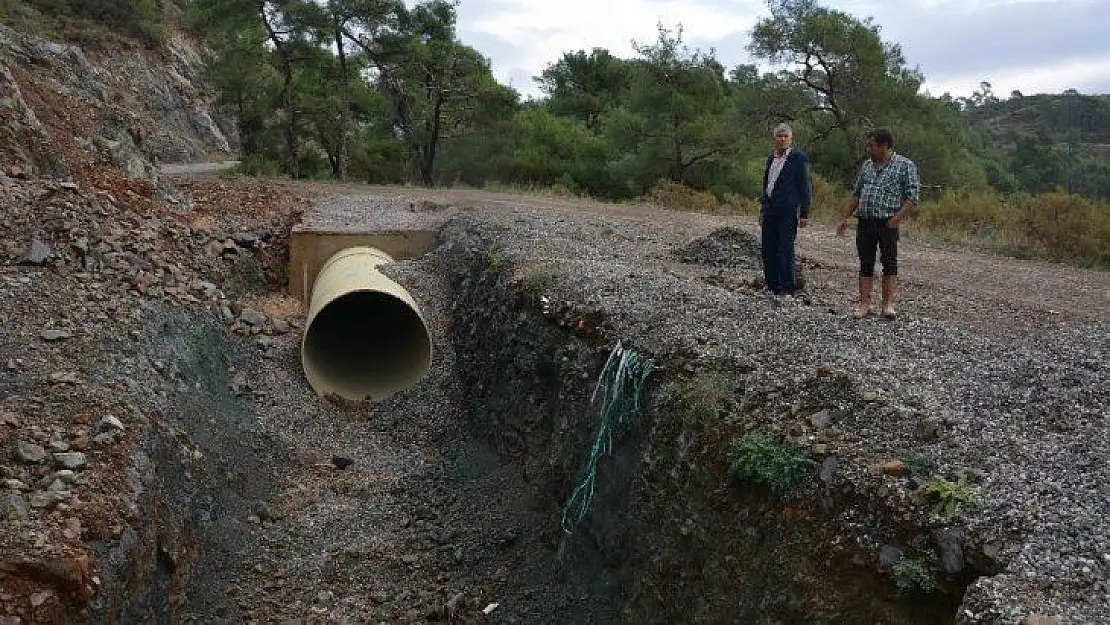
(495, 259)
(951, 497)
(24, 17)
(771, 463)
(917, 465)
(701, 397)
(912, 577)
(536, 277)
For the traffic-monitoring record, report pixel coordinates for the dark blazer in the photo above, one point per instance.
(792, 188)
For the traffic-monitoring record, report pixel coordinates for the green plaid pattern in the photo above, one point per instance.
(881, 189)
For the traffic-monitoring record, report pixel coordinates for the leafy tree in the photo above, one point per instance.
(854, 77)
(240, 70)
(383, 91)
(286, 24)
(439, 87)
(586, 86)
(342, 19)
(761, 102)
(287, 29)
(1038, 163)
(535, 148)
(983, 96)
(675, 120)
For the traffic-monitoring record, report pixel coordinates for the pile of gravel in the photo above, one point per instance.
(724, 247)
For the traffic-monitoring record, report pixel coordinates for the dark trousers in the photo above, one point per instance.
(872, 233)
(779, 232)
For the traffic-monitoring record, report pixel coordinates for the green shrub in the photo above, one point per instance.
(141, 18)
(495, 259)
(1061, 226)
(26, 18)
(1057, 226)
(259, 165)
(736, 204)
(762, 459)
(677, 196)
(951, 497)
(702, 397)
(912, 577)
(314, 165)
(827, 199)
(963, 217)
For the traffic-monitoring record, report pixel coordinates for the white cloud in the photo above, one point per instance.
(523, 36)
(1085, 74)
(537, 33)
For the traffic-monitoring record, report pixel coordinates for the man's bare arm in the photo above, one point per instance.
(849, 207)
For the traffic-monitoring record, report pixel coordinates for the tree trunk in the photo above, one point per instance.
(677, 168)
(246, 137)
(290, 125)
(292, 163)
(428, 160)
(340, 167)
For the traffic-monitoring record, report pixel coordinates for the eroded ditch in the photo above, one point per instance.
(483, 468)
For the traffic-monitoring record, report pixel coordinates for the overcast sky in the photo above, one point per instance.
(1034, 46)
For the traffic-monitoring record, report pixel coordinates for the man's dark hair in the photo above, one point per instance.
(882, 136)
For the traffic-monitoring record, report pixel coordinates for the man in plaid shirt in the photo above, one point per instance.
(887, 190)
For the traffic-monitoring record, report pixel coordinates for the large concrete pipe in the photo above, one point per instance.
(365, 337)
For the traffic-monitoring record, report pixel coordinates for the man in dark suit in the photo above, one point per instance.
(785, 207)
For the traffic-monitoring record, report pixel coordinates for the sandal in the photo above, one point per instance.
(862, 313)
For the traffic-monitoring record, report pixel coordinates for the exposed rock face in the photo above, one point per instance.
(65, 111)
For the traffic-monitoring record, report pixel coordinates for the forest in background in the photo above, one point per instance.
(380, 92)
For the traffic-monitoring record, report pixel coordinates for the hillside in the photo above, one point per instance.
(95, 110)
(1064, 117)
(1047, 140)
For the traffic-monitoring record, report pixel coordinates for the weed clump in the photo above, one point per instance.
(917, 465)
(951, 497)
(702, 397)
(536, 277)
(770, 463)
(912, 577)
(677, 196)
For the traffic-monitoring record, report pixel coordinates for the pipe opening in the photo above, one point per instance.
(367, 344)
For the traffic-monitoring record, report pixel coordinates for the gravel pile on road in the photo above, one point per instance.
(726, 247)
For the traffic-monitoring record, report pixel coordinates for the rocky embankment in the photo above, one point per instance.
(71, 113)
(83, 275)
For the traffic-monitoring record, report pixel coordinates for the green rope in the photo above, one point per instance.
(619, 395)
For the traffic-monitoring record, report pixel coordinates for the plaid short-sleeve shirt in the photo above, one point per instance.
(882, 188)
